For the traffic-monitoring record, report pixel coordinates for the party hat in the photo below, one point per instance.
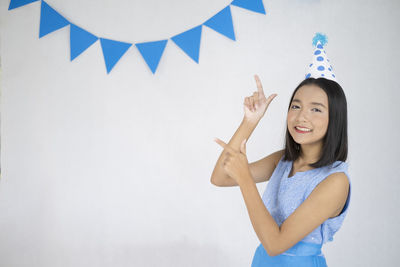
(320, 66)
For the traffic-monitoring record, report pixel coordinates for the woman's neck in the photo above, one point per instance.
(310, 154)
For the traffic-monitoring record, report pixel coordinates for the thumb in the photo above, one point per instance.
(243, 146)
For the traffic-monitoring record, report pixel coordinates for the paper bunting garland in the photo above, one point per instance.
(152, 52)
(222, 23)
(15, 4)
(188, 41)
(253, 5)
(80, 40)
(50, 20)
(113, 51)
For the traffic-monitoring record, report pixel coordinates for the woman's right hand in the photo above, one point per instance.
(256, 105)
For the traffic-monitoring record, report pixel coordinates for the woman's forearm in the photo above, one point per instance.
(264, 224)
(219, 177)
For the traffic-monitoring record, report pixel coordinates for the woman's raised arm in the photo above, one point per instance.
(255, 107)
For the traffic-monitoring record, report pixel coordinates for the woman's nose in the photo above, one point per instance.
(301, 115)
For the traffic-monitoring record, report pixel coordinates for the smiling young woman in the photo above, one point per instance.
(308, 192)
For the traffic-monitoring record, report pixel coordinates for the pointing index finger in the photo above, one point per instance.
(224, 145)
(259, 86)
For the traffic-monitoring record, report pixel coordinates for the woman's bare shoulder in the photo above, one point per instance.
(278, 155)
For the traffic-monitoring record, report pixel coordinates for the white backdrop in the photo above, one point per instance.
(114, 170)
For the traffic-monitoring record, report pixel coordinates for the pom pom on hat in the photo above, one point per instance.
(320, 67)
(321, 38)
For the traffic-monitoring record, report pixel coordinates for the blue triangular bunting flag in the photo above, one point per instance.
(19, 3)
(189, 42)
(50, 20)
(80, 40)
(253, 5)
(113, 51)
(152, 52)
(222, 23)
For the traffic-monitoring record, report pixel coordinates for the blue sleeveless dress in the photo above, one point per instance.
(281, 197)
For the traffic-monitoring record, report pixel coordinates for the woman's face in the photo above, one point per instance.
(308, 109)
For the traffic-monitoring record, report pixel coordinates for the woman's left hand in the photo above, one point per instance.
(235, 162)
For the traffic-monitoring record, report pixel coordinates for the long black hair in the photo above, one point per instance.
(335, 140)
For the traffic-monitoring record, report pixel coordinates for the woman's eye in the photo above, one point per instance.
(295, 107)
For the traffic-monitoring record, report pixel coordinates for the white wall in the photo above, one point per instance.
(114, 170)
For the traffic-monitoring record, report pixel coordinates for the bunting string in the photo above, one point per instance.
(188, 41)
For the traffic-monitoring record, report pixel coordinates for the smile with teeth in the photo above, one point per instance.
(302, 129)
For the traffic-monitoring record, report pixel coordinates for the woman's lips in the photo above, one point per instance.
(299, 131)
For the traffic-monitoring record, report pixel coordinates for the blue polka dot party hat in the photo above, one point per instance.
(320, 66)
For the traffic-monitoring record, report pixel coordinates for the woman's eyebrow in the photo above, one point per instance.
(313, 103)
